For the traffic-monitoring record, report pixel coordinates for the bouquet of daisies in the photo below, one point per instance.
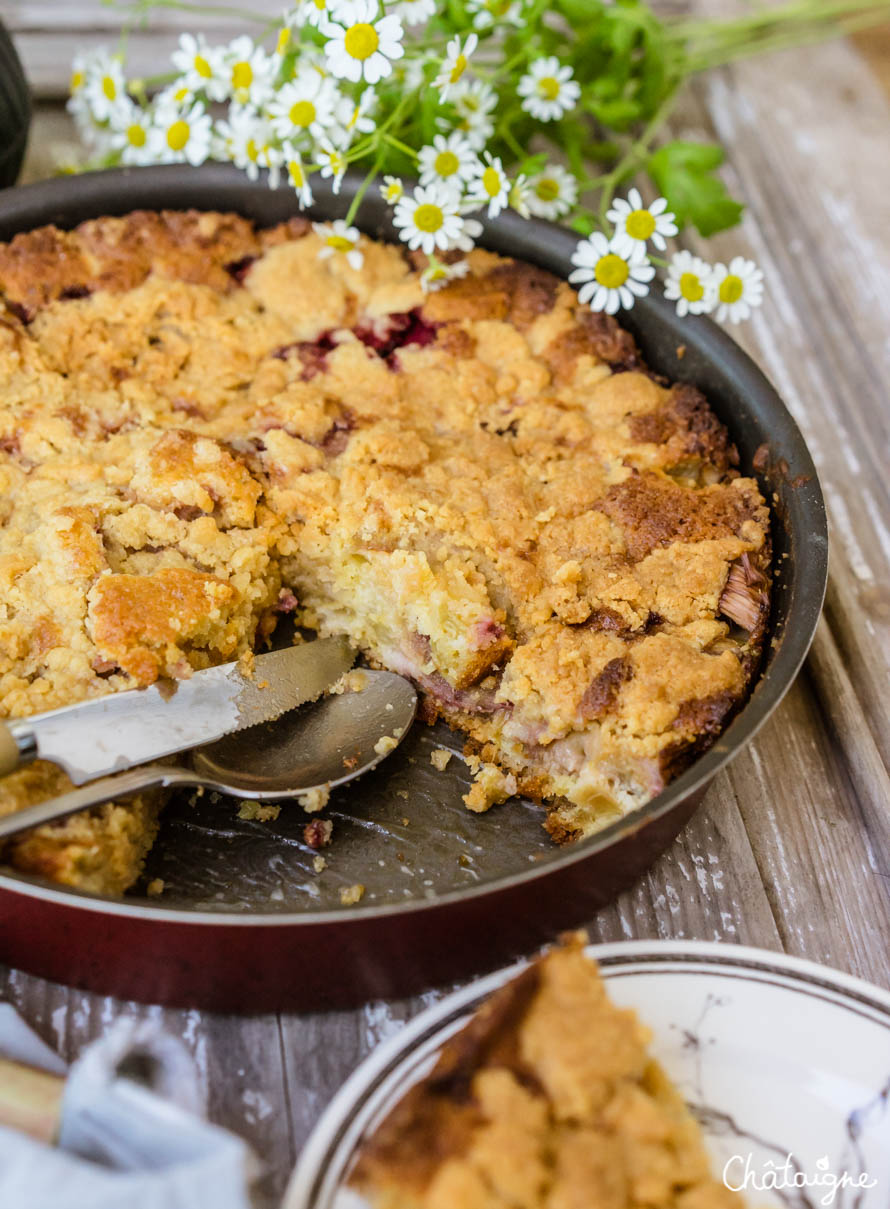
(544, 106)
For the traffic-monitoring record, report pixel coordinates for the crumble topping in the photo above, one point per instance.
(204, 426)
(521, 1110)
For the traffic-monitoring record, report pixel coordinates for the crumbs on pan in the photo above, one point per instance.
(258, 812)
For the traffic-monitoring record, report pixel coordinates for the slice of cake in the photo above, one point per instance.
(546, 1099)
(203, 425)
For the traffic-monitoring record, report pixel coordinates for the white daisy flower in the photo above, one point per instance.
(688, 284)
(437, 274)
(738, 289)
(448, 161)
(337, 237)
(392, 189)
(304, 106)
(333, 163)
(415, 12)
(490, 186)
(356, 118)
(636, 223)
(199, 67)
(519, 195)
(488, 11)
(429, 219)
(457, 57)
(248, 141)
(84, 68)
(552, 192)
(474, 101)
(181, 135)
(358, 46)
(299, 179)
(129, 132)
(313, 12)
(104, 88)
(610, 279)
(249, 72)
(472, 229)
(548, 89)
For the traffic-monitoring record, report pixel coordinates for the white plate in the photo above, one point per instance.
(777, 1057)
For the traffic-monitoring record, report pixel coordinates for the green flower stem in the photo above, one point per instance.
(363, 189)
(635, 154)
(143, 7)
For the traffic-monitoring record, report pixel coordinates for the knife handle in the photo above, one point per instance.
(121, 785)
(30, 1100)
(17, 746)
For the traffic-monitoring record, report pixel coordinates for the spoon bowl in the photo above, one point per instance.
(323, 746)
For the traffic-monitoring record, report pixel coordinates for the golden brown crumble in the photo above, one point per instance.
(523, 1109)
(203, 426)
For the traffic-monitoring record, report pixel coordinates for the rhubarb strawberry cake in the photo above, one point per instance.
(204, 425)
(546, 1099)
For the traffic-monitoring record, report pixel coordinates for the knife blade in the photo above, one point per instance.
(96, 738)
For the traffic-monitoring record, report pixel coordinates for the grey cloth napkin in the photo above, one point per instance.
(122, 1145)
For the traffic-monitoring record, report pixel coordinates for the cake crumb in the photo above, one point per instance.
(440, 757)
(402, 793)
(315, 799)
(155, 887)
(490, 787)
(319, 864)
(317, 834)
(260, 812)
(355, 681)
(350, 895)
(385, 745)
(247, 665)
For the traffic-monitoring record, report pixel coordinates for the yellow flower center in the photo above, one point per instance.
(611, 271)
(135, 136)
(498, 8)
(691, 287)
(470, 103)
(320, 4)
(428, 218)
(640, 224)
(202, 67)
(361, 40)
(242, 75)
(77, 79)
(446, 163)
(393, 192)
(296, 173)
(731, 288)
(302, 113)
(460, 66)
(340, 243)
(548, 88)
(283, 39)
(109, 87)
(547, 189)
(252, 151)
(178, 135)
(180, 94)
(491, 181)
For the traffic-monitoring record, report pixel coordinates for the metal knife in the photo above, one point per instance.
(113, 733)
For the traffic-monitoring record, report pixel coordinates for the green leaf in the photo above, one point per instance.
(685, 173)
(583, 224)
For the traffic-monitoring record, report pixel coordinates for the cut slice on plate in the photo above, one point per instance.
(546, 1099)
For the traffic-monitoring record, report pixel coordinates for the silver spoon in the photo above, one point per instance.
(322, 745)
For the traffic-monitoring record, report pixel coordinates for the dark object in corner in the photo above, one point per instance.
(15, 111)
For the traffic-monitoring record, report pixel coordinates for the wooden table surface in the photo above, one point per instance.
(791, 849)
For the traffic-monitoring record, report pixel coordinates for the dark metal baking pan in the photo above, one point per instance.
(245, 923)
